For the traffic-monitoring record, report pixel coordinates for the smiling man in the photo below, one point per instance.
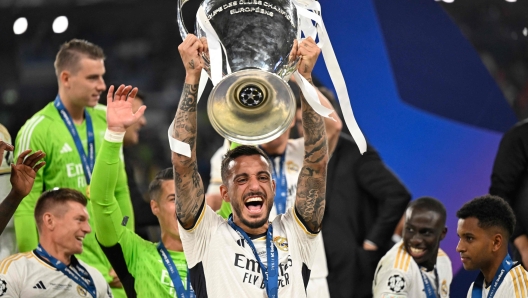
(485, 224)
(247, 255)
(52, 270)
(70, 129)
(416, 266)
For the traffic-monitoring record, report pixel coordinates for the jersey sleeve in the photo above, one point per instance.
(307, 241)
(11, 280)
(31, 136)
(518, 287)
(390, 281)
(196, 239)
(122, 195)
(106, 211)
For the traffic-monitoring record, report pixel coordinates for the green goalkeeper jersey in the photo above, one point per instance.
(141, 258)
(46, 131)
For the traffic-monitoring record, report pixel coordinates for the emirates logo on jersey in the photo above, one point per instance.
(396, 283)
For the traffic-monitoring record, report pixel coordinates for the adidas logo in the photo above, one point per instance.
(66, 148)
(39, 285)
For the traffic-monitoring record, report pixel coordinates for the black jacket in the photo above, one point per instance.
(364, 200)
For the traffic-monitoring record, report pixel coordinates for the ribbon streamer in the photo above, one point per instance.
(307, 16)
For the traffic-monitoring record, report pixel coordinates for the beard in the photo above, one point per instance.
(252, 224)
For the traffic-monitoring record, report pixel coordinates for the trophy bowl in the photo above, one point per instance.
(252, 103)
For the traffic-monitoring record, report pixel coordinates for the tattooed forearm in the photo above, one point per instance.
(311, 187)
(310, 201)
(188, 183)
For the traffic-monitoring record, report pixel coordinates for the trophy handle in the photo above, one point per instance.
(183, 30)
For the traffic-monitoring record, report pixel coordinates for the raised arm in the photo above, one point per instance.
(189, 186)
(311, 187)
(107, 214)
(22, 178)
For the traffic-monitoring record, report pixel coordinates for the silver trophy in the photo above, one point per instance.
(252, 103)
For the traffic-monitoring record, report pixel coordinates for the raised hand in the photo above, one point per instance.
(3, 147)
(191, 53)
(24, 171)
(119, 112)
(309, 52)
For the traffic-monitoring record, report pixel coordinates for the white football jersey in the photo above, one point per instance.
(222, 264)
(27, 275)
(398, 275)
(8, 245)
(514, 285)
(293, 161)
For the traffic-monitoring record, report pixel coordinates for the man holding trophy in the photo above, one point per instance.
(247, 256)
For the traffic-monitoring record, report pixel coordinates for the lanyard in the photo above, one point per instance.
(87, 161)
(279, 175)
(271, 272)
(81, 277)
(428, 287)
(174, 275)
(501, 273)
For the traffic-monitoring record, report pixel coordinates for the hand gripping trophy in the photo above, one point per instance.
(250, 56)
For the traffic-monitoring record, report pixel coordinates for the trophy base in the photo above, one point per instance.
(251, 107)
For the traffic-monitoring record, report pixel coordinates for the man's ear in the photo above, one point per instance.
(444, 232)
(224, 193)
(64, 78)
(48, 221)
(154, 207)
(498, 242)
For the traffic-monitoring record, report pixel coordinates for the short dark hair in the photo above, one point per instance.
(242, 150)
(71, 52)
(429, 203)
(491, 211)
(155, 186)
(56, 197)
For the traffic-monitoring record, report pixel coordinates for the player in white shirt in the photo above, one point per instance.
(16, 181)
(52, 270)
(416, 266)
(248, 256)
(485, 224)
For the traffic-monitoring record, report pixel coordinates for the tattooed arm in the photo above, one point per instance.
(189, 186)
(311, 187)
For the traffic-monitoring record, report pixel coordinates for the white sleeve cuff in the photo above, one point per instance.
(114, 137)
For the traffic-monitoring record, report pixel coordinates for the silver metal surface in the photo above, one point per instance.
(257, 38)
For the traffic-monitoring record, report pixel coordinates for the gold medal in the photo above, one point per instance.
(88, 191)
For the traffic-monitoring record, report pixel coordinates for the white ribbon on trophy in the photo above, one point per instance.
(308, 12)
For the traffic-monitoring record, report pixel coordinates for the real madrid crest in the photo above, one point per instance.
(81, 291)
(281, 243)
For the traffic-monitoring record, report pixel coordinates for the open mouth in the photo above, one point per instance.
(416, 252)
(254, 204)
(80, 239)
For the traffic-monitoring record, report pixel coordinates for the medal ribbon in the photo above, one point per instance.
(81, 277)
(88, 161)
(501, 273)
(428, 287)
(281, 192)
(174, 275)
(271, 272)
